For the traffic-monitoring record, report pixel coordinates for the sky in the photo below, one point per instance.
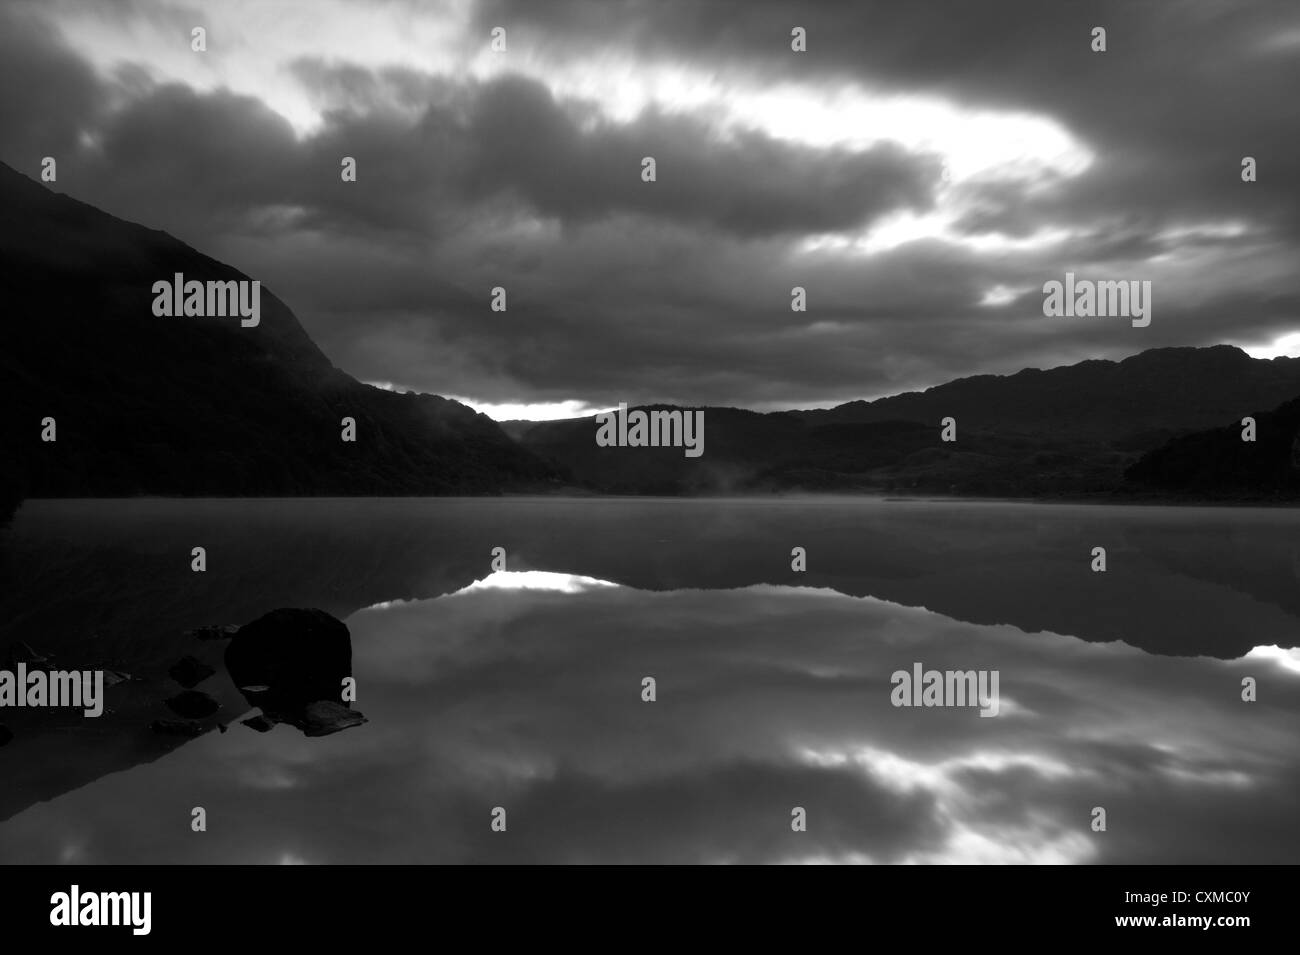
(922, 169)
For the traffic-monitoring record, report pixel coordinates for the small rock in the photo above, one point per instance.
(193, 704)
(189, 672)
(186, 728)
(325, 717)
(262, 724)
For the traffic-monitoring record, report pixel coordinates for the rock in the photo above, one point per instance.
(325, 717)
(291, 663)
(186, 728)
(193, 704)
(300, 656)
(223, 632)
(6, 735)
(261, 723)
(189, 672)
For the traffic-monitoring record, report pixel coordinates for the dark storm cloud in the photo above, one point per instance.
(48, 95)
(622, 290)
(1020, 53)
(505, 139)
(753, 185)
(1184, 90)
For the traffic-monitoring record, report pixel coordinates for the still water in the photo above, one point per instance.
(522, 688)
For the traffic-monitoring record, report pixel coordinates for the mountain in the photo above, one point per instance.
(196, 405)
(1158, 390)
(202, 406)
(1218, 464)
(1072, 431)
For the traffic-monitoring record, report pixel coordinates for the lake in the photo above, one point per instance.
(522, 689)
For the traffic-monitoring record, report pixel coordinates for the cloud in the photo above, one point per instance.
(50, 95)
(519, 698)
(912, 161)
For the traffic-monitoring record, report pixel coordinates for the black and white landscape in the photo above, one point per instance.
(971, 333)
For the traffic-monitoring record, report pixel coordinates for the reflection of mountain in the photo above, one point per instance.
(288, 664)
(523, 691)
(127, 577)
(196, 406)
(96, 584)
(1065, 431)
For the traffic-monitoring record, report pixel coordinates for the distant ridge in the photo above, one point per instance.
(1068, 431)
(1169, 389)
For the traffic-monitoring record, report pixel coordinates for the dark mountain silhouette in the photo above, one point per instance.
(1161, 389)
(201, 406)
(1217, 463)
(1068, 431)
(196, 406)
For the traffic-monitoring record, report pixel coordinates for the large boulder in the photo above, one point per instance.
(292, 664)
(300, 656)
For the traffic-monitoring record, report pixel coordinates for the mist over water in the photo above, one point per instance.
(522, 688)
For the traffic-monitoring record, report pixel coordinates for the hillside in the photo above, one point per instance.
(1218, 464)
(196, 405)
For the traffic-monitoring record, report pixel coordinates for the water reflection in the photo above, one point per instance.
(522, 689)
